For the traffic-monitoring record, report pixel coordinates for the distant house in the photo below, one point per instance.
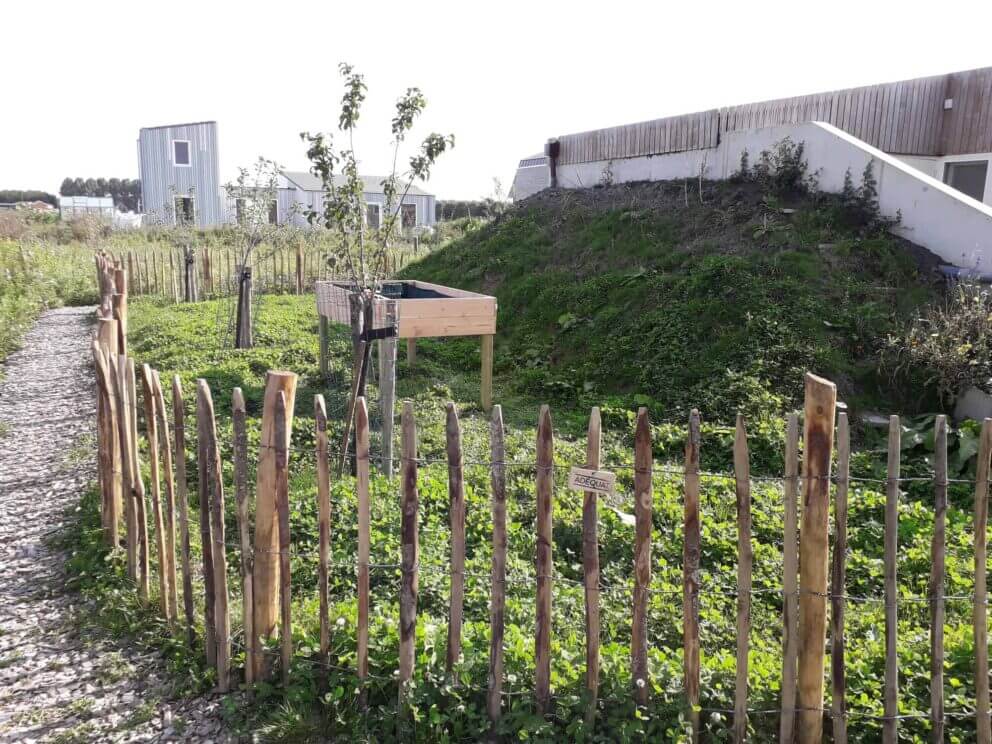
(301, 192)
(180, 174)
(71, 207)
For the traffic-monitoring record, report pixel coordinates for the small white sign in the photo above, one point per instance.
(597, 481)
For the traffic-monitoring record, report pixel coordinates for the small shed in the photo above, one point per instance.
(421, 310)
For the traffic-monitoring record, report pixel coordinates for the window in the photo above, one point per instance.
(408, 215)
(185, 212)
(967, 177)
(180, 152)
(240, 210)
(372, 212)
(273, 212)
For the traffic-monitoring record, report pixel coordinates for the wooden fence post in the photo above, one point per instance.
(182, 502)
(590, 566)
(324, 512)
(890, 726)
(497, 607)
(138, 486)
(814, 553)
(486, 393)
(790, 579)
(745, 557)
(117, 375)
(120, 308)
(151, 434)
(104, 341)
(299, 269)
(241, 498)
(169, 566)
(387, 390)
(643, 496)
(545, 561)
(110, 459)
(838, 583)
(409, 551)
(222, 618)
(364, 518)
(691, 554)
(936, 588)
(203, 478)
(983, 723)
(266, 570)
(456, 510)
(282, 437)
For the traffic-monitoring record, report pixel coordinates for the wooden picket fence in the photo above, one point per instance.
(265, 573)
(215, 271)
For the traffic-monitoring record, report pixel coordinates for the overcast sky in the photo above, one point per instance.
(80, 78)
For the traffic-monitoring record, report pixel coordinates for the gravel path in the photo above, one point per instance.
(61, 681)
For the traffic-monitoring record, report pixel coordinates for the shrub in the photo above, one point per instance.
(12, 226)
(949, 344)
(783, 170)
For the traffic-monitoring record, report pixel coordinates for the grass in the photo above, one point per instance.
(186, 340)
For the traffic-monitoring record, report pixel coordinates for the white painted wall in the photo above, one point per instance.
(954, 226)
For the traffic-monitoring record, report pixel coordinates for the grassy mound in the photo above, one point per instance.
(646, 295)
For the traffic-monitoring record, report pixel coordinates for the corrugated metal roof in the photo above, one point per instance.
(373, 184)
(186, 124)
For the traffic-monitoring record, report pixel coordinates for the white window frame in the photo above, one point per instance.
(378, 209)
(189, 154)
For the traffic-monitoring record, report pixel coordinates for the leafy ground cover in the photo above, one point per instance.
(187, 340)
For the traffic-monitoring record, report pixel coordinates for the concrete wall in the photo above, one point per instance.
(935, 216)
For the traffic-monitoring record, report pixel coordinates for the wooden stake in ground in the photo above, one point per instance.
(364, 519)
(890, 726)
(182, 503)
(110, 445)
(983, 722)
(204, 458)
(936, 588)
(282, 436)
(222, 618)
(324, 516)
(118, 374)
(241, 497)
(838, 583)
(151, 434)
(138, 487)
(456, 511)
(170, 497)
(691, 554)
(643, 506)
(790, 582)
(120, 309)
(545, 565)
(745, 557)
(266, 571)
(409, 551)
(497, 605)
(814, 553)
(590, 567)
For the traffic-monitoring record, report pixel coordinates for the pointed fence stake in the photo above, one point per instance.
(790, 582)
(643, 497)
(545, 564)
(590, 566)
(690, 574)
(838, 583)
(745, 558)
(242, 499)
(409, 553)
(497, 607)
(937, 580)
(182, 504)
(456, 500)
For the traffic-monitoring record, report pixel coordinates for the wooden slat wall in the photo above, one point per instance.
(672, 134)
(905, 117)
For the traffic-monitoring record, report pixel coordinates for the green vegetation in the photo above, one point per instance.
(33, 279)
(186, 340)
(645, 295)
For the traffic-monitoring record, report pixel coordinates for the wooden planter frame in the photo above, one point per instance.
(428, 310)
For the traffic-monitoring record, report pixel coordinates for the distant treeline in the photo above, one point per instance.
(18, 195)
(126, 192)
(452, 210)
